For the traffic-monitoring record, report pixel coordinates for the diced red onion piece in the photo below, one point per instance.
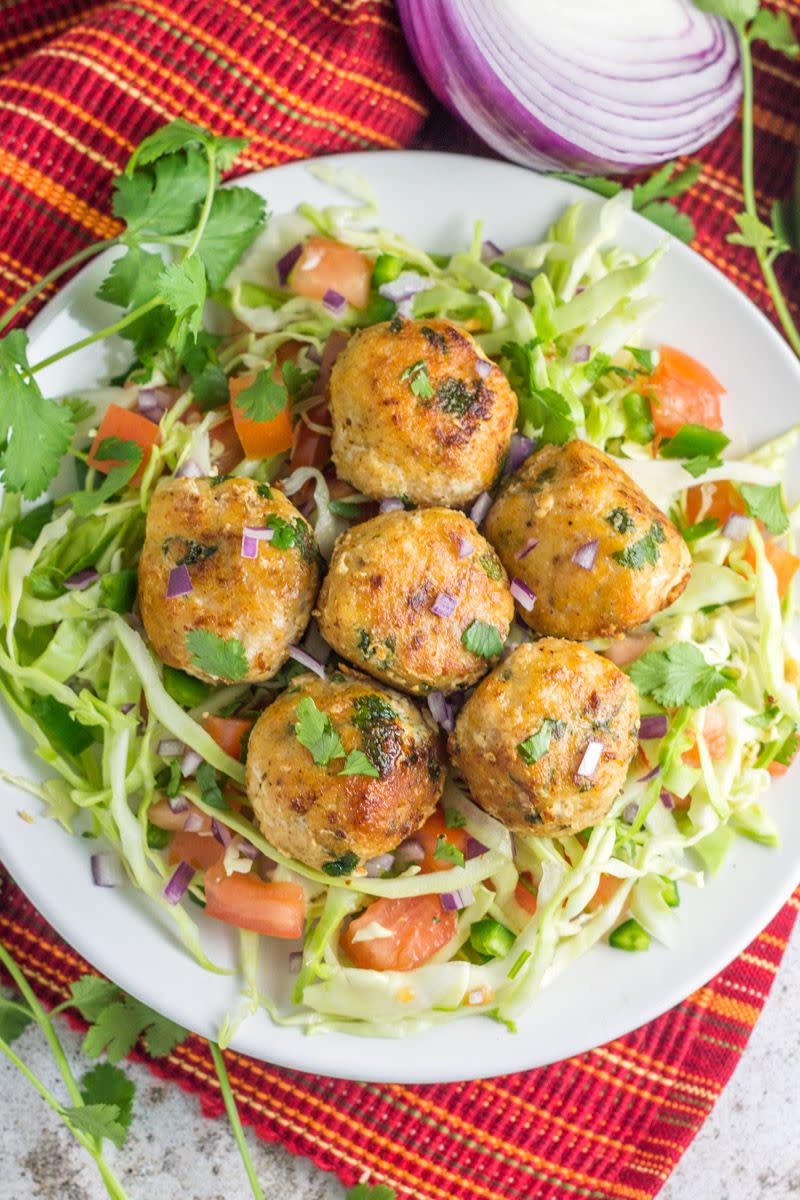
(586, 555)
(178, 885)
(522, 594)
(151, 412)
(480, 508)
(178, 804)
(444, 605)
(410, 851)
(249, 546)
(170, 748)
(248, 850)
(465, 547)
(650, 774)
(526, 549)
(295, 962)
(629, 813)
(390, 504)
(581, 353)
(405, 308)
(259, 533)
(454, 901)
(474, 849)
(490, 251)
(334, 302)
(313, 355)
(307, 660)
(107, 870)
(221, 832)
(667, 798)
(440, 710)
(189, 470)
(82, 579)
(126, 708)
(652, 727)
(190, 762)
(737, 527)
(591, 760)
(180, 583)
(284, 265)
(406, 285)
(194, 822)
(379, 865)
(519, 449)
(484, 368)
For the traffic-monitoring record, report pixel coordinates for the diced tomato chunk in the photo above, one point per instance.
(525, 894)
(260, 438)
(715, 735)
(161, 814)
(312, 448)
(128, 426)
(428, 836)
(226, 449)
(713, 500)
(329, 266)
(228, 732)
(200, 851)
(625, 650)
(782, 562)
(418, 925)
(684, 392)
(607, 888)
(274, 909)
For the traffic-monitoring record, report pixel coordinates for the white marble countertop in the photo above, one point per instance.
(749, 1149)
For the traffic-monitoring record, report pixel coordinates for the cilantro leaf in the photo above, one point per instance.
(119, 1025)
(644, 552)
(106, 1084)
(454, 819)
(98, 1120)
(13, 1021)
(313, 729)
(766, 504)
(775, 29)
(210, 791)
(668, 217)
(537, 745)
(164, 198)
(491, 566)
(419, 382)
(698, 466)
(621, 521)
(264, 399)
(91, 994)
(363, 1191)
(738, 12)
(445, 851)
(218, 657)
(693, 533)
(236, 218)
(593, 183)
(33, 522)
(756, 234)
(182, 286)
(345, 865)
(482, 640)
(28, 420)
(357, 763)
(665, 183)
(182, 135)
(133, 278)
(126, 457)
(678, 675)
(644, 358)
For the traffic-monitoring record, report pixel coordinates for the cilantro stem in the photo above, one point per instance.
(51, 276)
(748, 189)
(119, 325)
(211, 160)
(235, 1120)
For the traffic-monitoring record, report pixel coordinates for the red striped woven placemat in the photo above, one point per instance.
(81, 83)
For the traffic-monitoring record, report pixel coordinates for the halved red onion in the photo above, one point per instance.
(737, 527)
(581, 353)
(390, 504)
(654, 726)
(178, 884)
(484, 368)
(480, 508)
(440, 710)
(465, 547)
(474, 849)
(667, 798)
(82, 579)
(180, 583)
(178, 804)
(586, 555)
(526, 549)
(295, 962)
(651, 774)
(519, 449)
(189, 470)
(444, 605)
(522, 594)
(629, 813)
(591, 760)
(190, 762)
(221, 832)
(285, 264)
(194, 822)
(454, 901)
(170, 748)
(307, 660)
(409, 852)
(249, 547)
(107, 870)
(406, 285)
(334, 302)
(379, 865)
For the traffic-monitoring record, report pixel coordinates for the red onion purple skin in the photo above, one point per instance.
(466, 83)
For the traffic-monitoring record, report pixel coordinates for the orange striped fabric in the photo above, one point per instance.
(80, 83)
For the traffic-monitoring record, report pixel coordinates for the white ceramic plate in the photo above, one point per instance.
(434, 199)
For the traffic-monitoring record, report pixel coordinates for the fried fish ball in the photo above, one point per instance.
(401, 591)
(595, 551)
(313, 811)
(264, 602)
(545, 741)
(419, 411)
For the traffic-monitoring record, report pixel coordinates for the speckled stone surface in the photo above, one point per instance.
(749, 1149)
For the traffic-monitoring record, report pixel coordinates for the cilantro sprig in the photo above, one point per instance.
(219, 657)
(169, 200)
(652, 198)
(680, 675)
